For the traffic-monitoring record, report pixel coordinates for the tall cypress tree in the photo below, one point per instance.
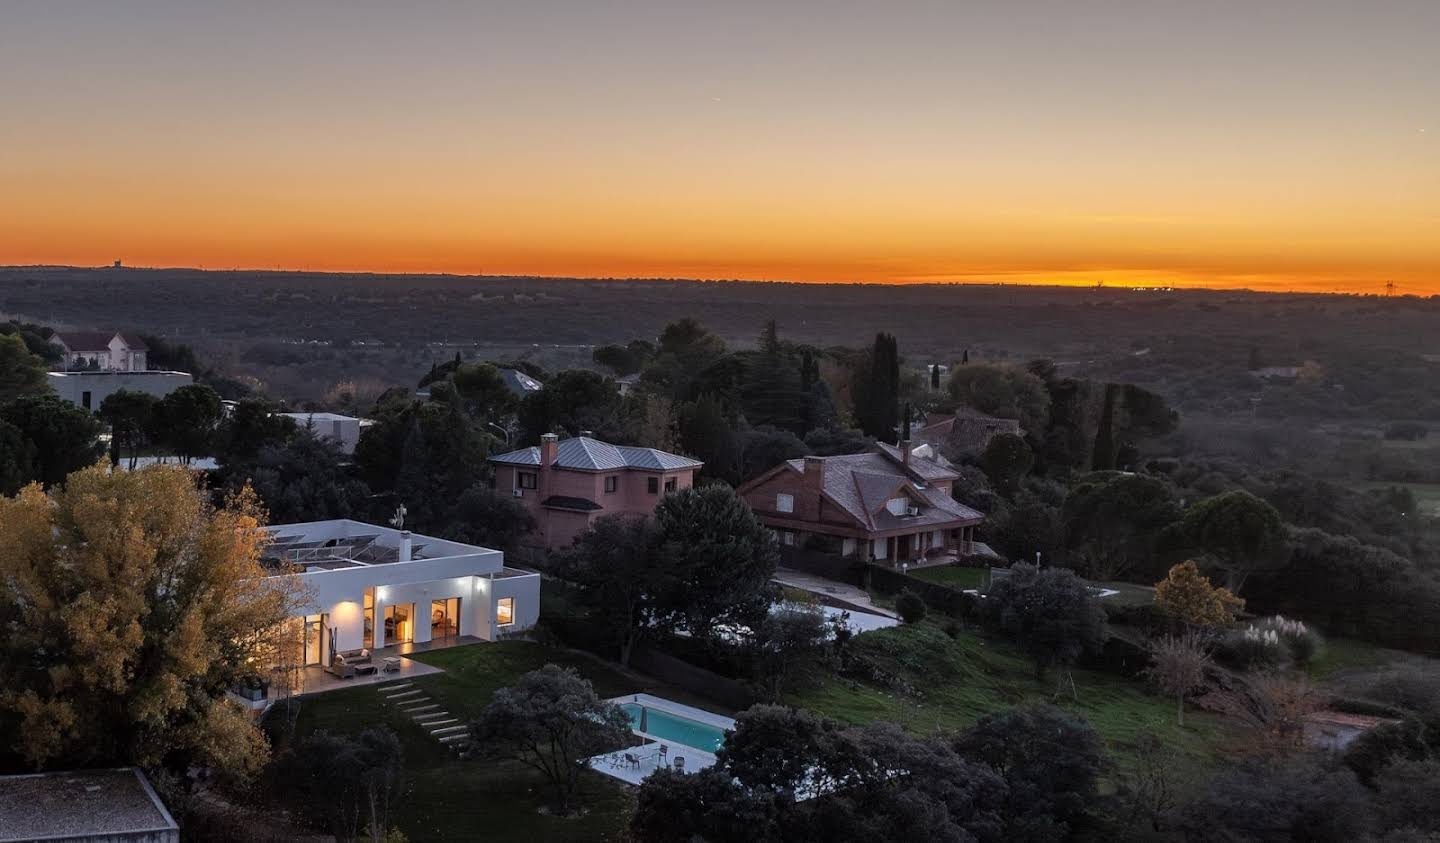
(1103, 457)
(877, 406)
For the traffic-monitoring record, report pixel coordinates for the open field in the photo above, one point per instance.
(959, 680)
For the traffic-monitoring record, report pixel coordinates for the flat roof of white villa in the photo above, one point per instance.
(115, 373)
(319, 416)
(341, 543)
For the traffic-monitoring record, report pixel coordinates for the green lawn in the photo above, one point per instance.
(449, 798)
(959, 680)
(953, 576)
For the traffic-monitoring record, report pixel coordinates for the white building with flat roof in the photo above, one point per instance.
(90, 389)
(371, 587)
(342, 430)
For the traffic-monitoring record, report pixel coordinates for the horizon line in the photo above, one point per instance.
(1174, 287)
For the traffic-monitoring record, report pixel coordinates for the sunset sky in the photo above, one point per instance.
(1273, 144)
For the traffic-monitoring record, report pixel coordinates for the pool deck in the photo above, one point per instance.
(649, 755)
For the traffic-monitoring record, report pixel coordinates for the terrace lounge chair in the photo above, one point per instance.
(679, 763)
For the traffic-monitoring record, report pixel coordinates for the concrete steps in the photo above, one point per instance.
(429, 715)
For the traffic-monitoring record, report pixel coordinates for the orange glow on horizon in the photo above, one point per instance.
(1289, 145)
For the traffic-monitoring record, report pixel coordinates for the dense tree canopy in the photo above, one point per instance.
(1007, 392)
(1049, 612)
(21, 373)
(621, 575)
(131, 604)
(551, 721)
(1237, 533)
(719, 556)
(131, 417)
(1113, 523)
(62, 437)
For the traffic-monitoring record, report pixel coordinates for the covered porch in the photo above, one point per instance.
(921, 547)
(386, 664)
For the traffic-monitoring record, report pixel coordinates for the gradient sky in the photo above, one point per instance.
(1275, 144)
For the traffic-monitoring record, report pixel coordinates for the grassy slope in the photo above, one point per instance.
(452, 799)
(953, 576)
(962, 679)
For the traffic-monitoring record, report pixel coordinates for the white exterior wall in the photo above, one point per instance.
(343, 430)
(341, 595)
(72, 386)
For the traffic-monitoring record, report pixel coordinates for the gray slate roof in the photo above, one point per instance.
(582, 453)
(861, 484)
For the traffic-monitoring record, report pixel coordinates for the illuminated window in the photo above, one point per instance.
(784, 503)
(505, 611)
(670, 484)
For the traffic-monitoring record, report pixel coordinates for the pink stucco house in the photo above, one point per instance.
(567, 484)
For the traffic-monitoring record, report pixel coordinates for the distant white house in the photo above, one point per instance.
(342, 430)
(109, 352)
(371, 587)
(90, 389)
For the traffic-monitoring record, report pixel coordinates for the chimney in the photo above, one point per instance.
(587, 434)
(814, 473)
(905, 448)
(404, 546)
(549, 446)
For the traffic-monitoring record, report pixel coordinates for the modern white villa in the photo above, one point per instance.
(376, 587)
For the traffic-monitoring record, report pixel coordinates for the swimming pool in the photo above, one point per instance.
(674, 728)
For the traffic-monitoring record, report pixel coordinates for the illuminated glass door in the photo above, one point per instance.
(445, 618)
(400, 624)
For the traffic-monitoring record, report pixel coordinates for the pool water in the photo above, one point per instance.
(675, 729)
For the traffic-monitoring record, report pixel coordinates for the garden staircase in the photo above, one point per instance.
(427, 714)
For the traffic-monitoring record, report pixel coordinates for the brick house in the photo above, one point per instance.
(567, 484)
(887, 505)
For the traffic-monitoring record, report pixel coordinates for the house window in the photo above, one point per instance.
(784, 503)
(526, 480)
(787, 538)
(612, 483)
(671, 484)
(897, 506)
(652, 485)
(505, 611)
(85, 399)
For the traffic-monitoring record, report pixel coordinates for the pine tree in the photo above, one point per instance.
(934, 375)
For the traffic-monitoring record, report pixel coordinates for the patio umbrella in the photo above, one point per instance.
(644, 719)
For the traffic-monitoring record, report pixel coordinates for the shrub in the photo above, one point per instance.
(1252, 648)
(1187, 594)
(910, 607)
(1302, 643)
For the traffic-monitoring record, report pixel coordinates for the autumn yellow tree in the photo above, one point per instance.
(129, 603)
(1186, 594)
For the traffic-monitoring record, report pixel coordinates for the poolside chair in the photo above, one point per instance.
(632, 760)
(679, 763)
(664, 751)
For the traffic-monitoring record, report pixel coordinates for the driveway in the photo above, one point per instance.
(838, 591)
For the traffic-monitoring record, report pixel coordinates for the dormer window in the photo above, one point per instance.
(897, 506)
(784, 503)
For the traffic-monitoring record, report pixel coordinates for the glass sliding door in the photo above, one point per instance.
(400, 624)
(445, 618)
(368, 642)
